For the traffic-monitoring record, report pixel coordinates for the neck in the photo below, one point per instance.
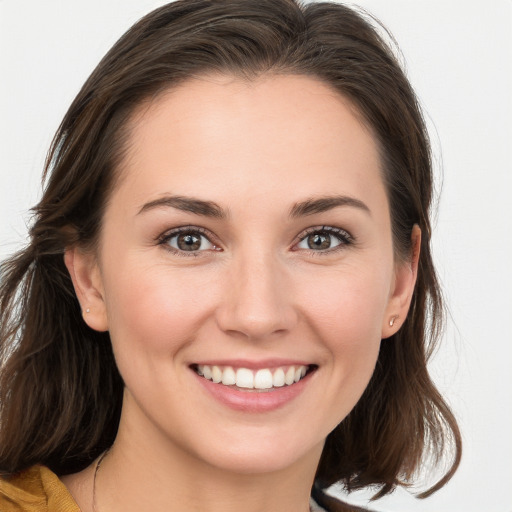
(142, 472)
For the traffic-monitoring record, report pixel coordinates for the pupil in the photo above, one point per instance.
(319, 241)
(189, 242)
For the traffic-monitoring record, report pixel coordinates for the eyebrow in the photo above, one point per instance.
(187, 204)
(310, 206)
(323, 204)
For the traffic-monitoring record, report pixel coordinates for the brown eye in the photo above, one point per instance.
(319, 241)
(189, 241)
(324, 239)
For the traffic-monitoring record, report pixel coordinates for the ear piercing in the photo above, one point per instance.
(392, 320)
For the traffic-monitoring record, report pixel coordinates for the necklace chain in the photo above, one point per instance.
(98, 464)
(96, 469)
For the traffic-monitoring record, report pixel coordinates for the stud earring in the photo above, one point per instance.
(87, 310)
(392, 320)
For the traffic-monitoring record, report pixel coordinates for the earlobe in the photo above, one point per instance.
(405, 277)
(86, 277)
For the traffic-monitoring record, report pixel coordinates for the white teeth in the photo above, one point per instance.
(244, 378)
(207, 372)
(216, 374)
(228, 376)
(289, 378)
(264, 378)
(278, 378)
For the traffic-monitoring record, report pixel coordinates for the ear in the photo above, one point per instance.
(403, 288)
(87, 281)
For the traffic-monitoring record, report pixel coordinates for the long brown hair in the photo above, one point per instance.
(60, 391)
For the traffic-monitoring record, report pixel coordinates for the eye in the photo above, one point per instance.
(187, 240)
(324, 239)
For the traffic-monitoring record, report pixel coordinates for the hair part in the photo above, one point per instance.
(60, 390)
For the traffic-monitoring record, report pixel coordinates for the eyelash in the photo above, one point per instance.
(344, 238)
(164, 240)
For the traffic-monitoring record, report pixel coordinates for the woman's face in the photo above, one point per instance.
(247, 240)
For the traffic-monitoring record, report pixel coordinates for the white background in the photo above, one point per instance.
(458, 55)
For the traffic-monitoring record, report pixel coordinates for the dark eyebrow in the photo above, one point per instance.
(323, 204)
(187, 204)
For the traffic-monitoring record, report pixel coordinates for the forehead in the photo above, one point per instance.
(288, 133)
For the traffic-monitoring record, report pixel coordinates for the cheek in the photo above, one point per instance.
(153, 308)
(347, 306)
(346, 313)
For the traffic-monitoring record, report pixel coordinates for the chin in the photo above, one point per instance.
(262, 456)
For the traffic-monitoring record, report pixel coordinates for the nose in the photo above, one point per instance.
(257, 299)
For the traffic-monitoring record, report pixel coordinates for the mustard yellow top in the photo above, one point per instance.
(35, 490)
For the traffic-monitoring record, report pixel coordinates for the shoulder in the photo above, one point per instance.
(36, 489)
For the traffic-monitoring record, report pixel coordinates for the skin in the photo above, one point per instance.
(254, 291)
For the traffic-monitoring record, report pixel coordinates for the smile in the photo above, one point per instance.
(246, 379)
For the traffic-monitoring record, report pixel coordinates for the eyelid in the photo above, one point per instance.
(342, 234)
(170, 233)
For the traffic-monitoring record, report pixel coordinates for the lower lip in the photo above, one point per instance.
(254, 401)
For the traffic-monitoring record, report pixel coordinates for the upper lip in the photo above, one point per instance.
(253, 364)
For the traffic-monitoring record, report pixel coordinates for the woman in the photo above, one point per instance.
(228, 298)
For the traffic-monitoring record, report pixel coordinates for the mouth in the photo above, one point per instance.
(256, 380)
